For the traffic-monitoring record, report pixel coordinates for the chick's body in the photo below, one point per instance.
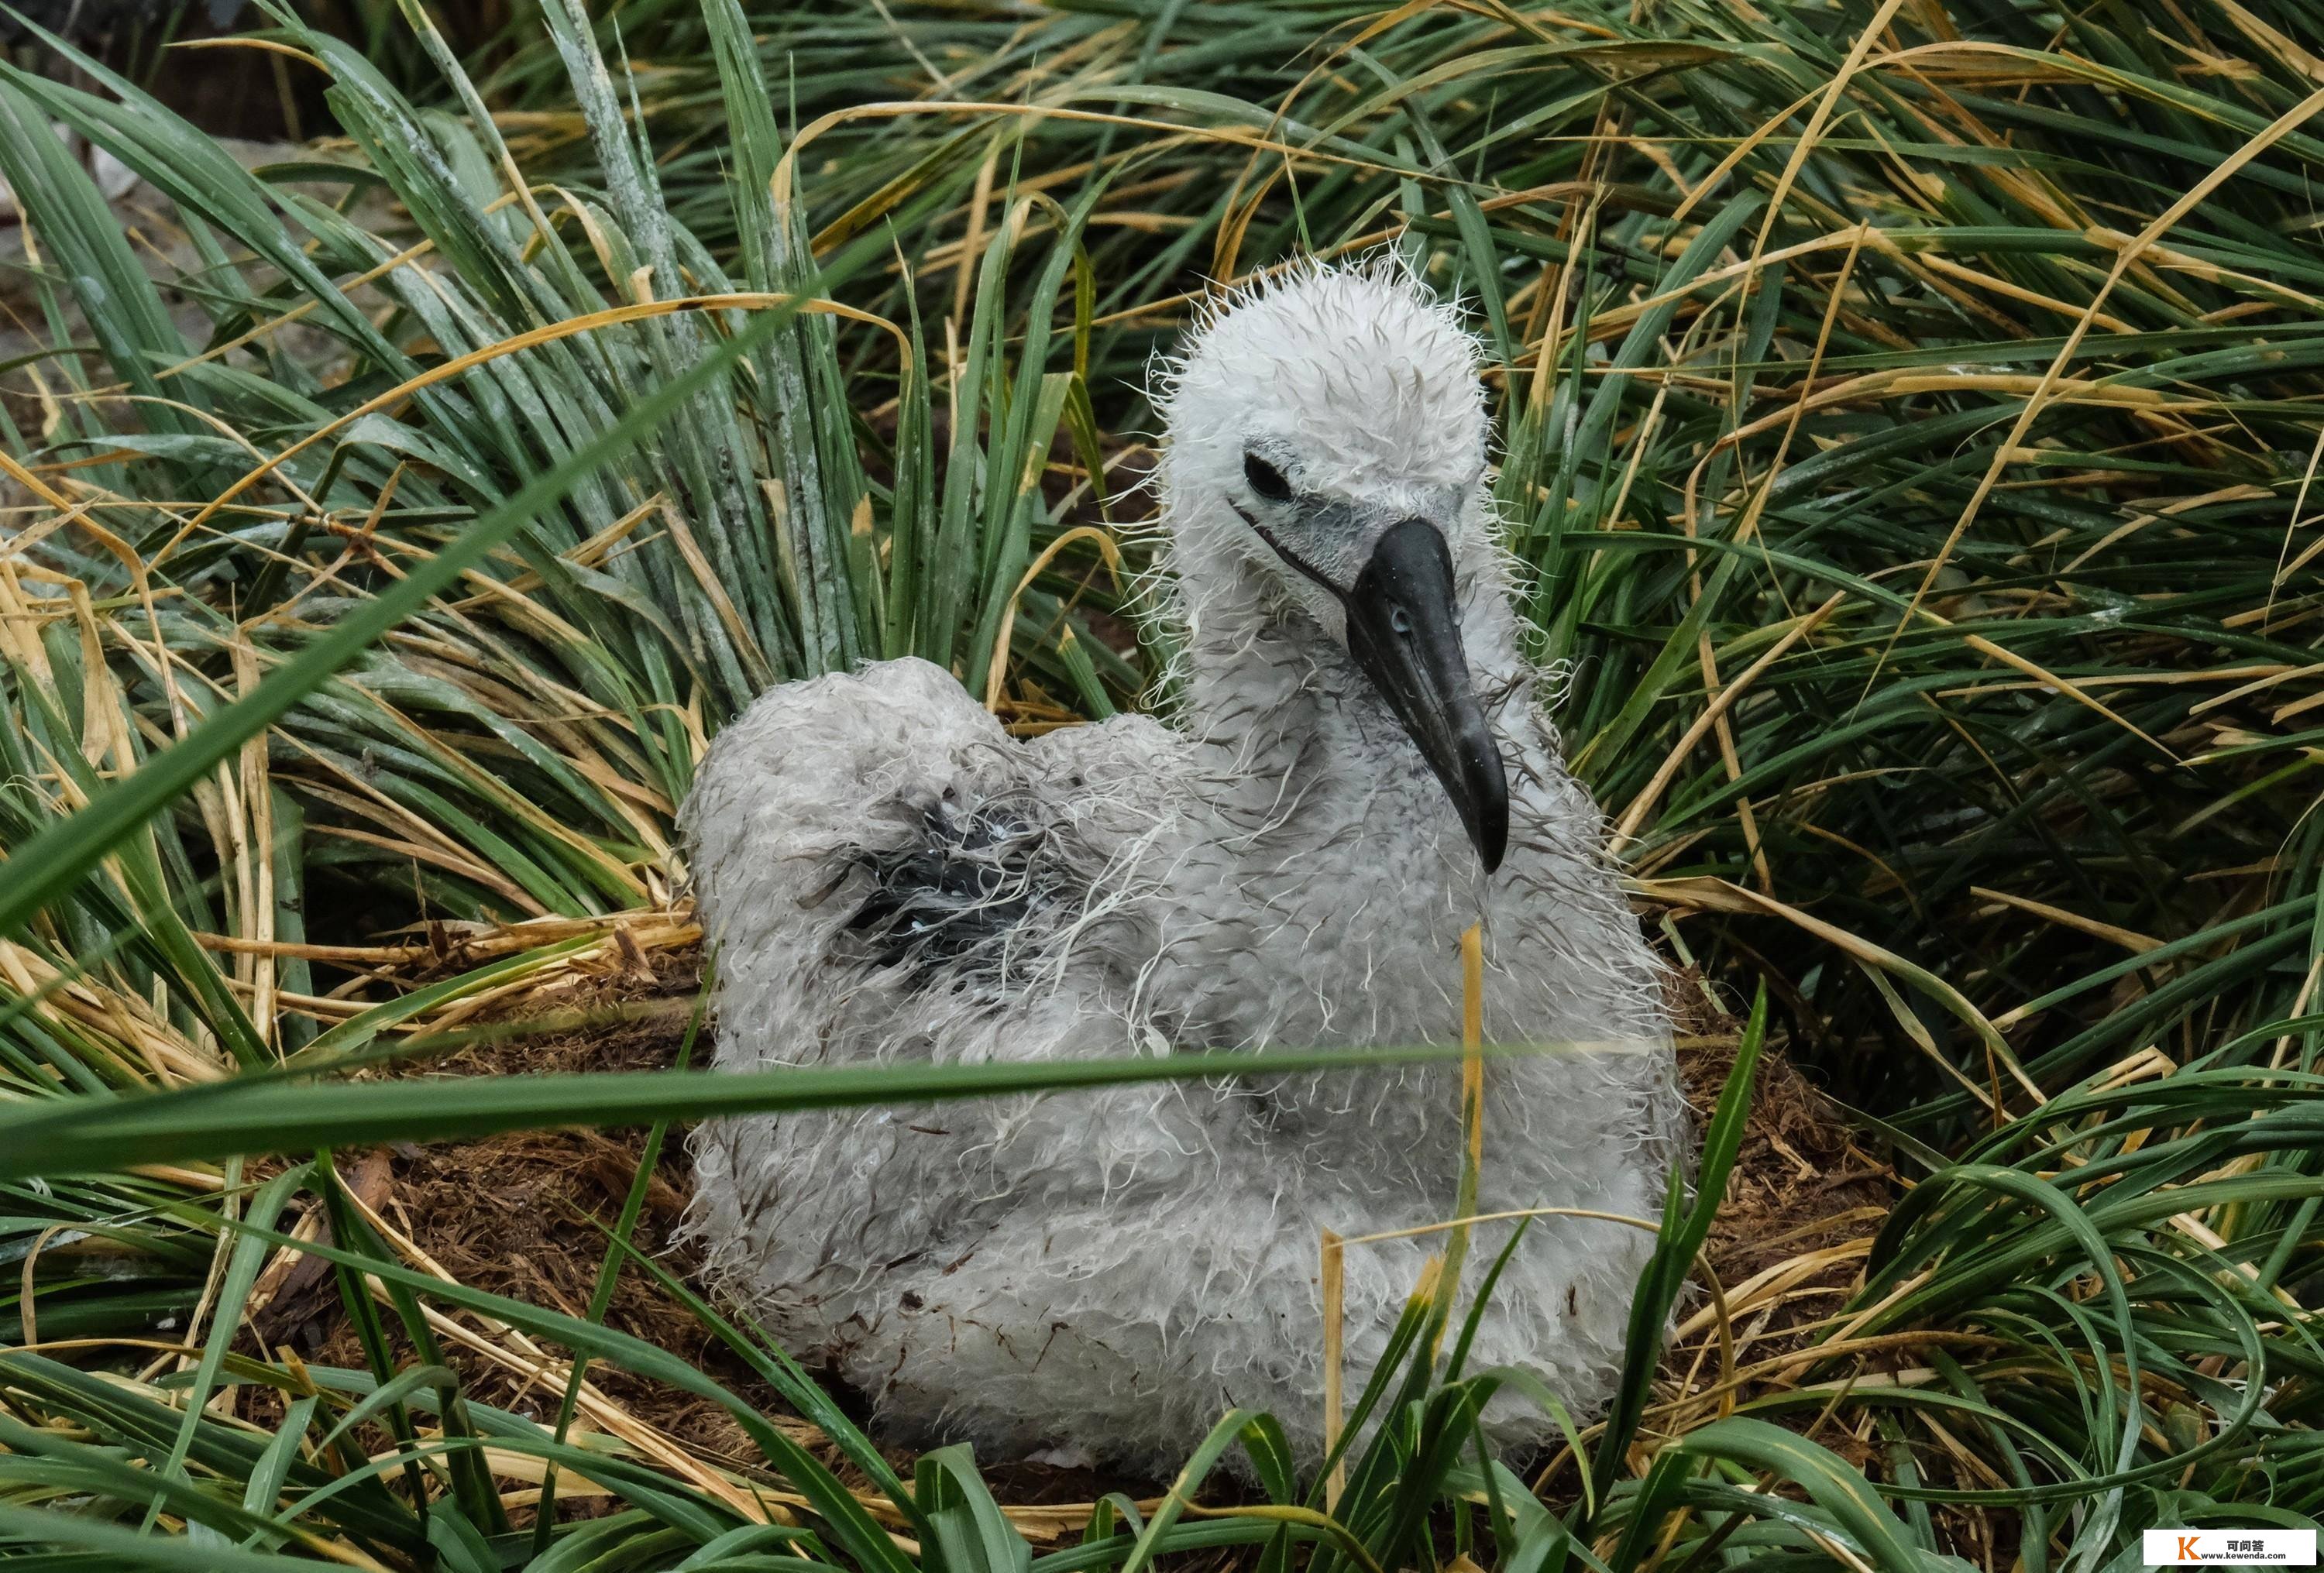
(890, 877)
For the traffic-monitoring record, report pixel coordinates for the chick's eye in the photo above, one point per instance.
(1266, 479)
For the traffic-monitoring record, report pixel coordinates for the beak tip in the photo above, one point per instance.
(1487, 812)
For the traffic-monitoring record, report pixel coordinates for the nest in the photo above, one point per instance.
(1787, 1248)
(1802, 1185)
(528, 1215)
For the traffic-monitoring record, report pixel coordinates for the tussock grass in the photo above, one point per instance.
(1909, 415)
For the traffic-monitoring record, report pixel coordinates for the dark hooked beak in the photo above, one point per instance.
(1404, 631)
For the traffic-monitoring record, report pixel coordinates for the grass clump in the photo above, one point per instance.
(1908, 414)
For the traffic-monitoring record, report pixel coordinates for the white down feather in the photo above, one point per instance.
(1103, 1273)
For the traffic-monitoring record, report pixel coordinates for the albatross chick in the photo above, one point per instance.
(1362, 770)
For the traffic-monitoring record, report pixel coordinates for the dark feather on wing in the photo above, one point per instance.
(952, 898)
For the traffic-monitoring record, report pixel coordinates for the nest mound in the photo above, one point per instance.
(1802, 1188)
(528, 1216)
(1803, 1204)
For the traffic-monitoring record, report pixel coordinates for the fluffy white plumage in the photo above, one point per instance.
(888, 877)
